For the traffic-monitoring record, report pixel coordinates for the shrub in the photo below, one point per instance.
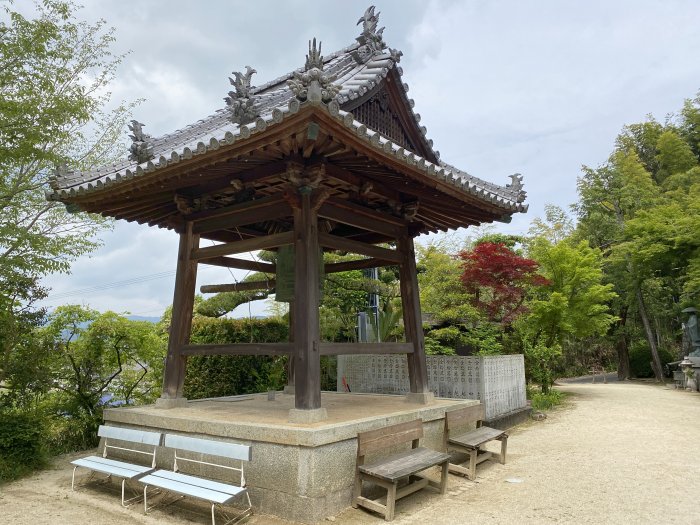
(217, 376)
(640, 359)
(542, 401)
(21, 449)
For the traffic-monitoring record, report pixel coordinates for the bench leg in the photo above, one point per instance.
(443, 477)
(213, 519)
(72, 483)
(390, 502)
(472, 464)
(504, 446)
(356, 490)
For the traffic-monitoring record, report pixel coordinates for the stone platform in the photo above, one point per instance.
(302, 472)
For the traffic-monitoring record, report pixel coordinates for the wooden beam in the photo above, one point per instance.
(260, 210)
(366, 348)
(348, 177)
(239, 349)
(241, 264)
(417, 368)
(359, 217)
(238, 287)
(340, 243)
(181, 322)
(248, 245)
(359, 264)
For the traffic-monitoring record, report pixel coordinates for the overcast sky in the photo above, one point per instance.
(536, 87)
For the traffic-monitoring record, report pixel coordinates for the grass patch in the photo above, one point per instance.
(548, 401)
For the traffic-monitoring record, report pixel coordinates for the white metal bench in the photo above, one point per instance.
(215, 492)
(117, 468)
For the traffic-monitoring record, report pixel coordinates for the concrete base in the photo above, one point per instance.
(306, 417)
(167, 403)
(505, 421)
(421, 398)
(299, 471)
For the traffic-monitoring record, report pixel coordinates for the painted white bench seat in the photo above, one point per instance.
(126, 438)
(213, 491)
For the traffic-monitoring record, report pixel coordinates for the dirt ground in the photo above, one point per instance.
(616, 453)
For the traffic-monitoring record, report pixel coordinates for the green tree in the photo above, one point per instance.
(94, 358)
(575, 301)
(443, 297)
(54, 75)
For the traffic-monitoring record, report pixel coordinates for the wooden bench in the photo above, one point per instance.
(387, 472)
(215, 492)
(471, 442)
(117, 468)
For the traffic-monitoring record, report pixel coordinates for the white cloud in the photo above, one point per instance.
(506, 86)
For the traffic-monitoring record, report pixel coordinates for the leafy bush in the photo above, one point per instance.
(542, 401)
(433, 346)
(21, 449)
(640, 359)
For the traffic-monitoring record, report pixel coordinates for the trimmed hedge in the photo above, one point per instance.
(216, 376)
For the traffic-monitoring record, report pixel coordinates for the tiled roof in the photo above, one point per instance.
(356, 75)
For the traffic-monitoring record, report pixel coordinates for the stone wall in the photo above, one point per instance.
(497, 381)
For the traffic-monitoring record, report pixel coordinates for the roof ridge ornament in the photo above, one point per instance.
(371, 39)
(314, 85)
(142, 143)
(241, 102)
(517, 186)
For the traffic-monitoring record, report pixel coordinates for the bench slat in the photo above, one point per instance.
(129, 434)
(477, 437)
(206, 446)
(463, 416)
(405, 463)
(384, 437)
(186, 489)
(126, 471)
(202, 482)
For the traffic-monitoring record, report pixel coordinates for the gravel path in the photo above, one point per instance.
(616, 453)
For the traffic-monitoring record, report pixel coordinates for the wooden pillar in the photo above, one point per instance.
(307, 358)
(181, 322)
(289, 387)
(410, 300)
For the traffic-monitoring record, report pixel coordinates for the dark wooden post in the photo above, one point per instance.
(289, 387)
(410, 300)
(307, 359)
(181, 322)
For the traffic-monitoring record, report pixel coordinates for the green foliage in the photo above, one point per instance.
(540, 362)
(215, 376)
(575, 302)
(640, 359)
(85, 357)
(54, 79)
(435, 347)
(442, 295)
(21, 444)
(542, 401)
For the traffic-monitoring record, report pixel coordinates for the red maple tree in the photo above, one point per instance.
(499, 278)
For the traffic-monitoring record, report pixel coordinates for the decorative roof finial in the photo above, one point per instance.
(142, 143)
(313, 84)
(517, 186)
(314, 58)
(241, 102)
(371, 40)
